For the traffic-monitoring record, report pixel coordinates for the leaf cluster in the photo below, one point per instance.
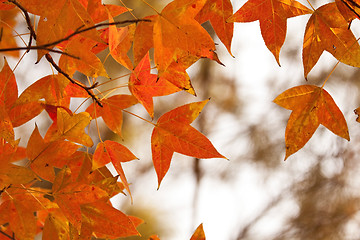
(77, 205)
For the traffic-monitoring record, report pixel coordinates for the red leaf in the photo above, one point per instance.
(144, 85)
(173, 133)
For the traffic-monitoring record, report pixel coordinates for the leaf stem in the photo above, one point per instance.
(310, 5)
(331, 72)
(122, 3)
(139, 117)
(151, 7)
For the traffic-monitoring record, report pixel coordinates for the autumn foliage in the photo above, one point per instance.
(77, 205)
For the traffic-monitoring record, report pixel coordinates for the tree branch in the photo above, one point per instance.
(7, 235)
(78, 31)
(28, 22)
(87, 89)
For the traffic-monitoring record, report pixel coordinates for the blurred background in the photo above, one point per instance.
(255, 195)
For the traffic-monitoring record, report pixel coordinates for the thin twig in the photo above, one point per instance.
(38, 48)
(87, 89)
(78, 31)
(28, 21)
(7, 235)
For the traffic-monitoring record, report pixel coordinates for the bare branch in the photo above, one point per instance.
(87, 89)
(28, 22)
(78, 31)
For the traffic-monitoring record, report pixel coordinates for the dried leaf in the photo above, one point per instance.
(329, 32)
(311, 106)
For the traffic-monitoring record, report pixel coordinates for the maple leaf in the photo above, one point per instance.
(143, 38)
(111, 112)
(6, 127)
(199, 233)
(71, 195)
(99, 12)
(22, 221)
(311, 106)
(349, 9)
(357, 111)
(217, 11)
(88, 63)
(8, 96)
(24, 112)
(101, 218)
(176, 74)
(272, 15)
(58, 19)
(120, 40)
(176, 34)
(116, 153)
(70, 126)
(44, 155)
(11, 174)
(329, 32)
(144, 85)
(55, 226)
(28, 105)
(51, 88)
(7, 24)
(154, 237)
(8, 86)
(18, 208)
(173, 133)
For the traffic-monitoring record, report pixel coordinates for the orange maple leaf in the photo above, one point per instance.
(11, 174)
(7, 25)
(71, 195)
(8, 96)
(217, 11)
(103, 219)
(55, 225)
(99, 11)
(111, 112)
(173, 133)
(22, 221)
(199, 233)
(350, 9)
(143, 38)
(311, 106)
(70, 126)
(144, 85)
(88, 63)
(116, 153)
(120, 40)
(329, 32)
(58, 19)
(51, 88)
(8, 86)
(45, 155)
(272, 15)
(176, 34)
